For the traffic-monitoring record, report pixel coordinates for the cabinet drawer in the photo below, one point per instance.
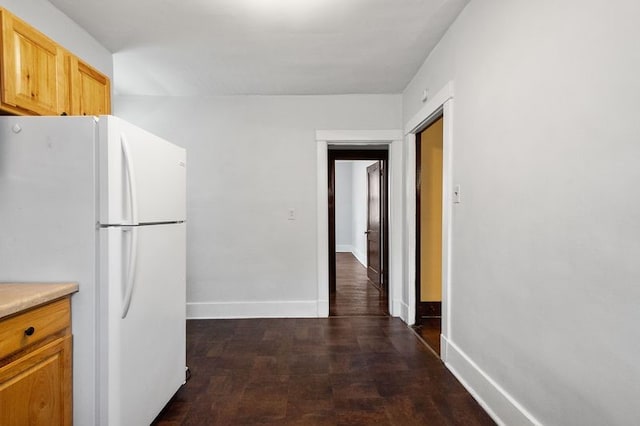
(34, 325)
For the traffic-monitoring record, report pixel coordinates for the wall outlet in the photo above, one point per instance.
(291, 215)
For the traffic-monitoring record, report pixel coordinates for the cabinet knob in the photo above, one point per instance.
(29, 331)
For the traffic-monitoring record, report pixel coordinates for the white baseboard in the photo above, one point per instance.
(501, 406)
(362, 258)
(323, 308)
(344, 248)
(396, 309)
(274, 309)
(403, 310)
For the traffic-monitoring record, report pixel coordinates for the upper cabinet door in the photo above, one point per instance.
(90, 90)
(32, 69)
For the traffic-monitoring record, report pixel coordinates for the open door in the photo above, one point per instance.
(374, 240)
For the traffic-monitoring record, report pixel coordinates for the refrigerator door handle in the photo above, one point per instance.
(133, 196)
(131, 270)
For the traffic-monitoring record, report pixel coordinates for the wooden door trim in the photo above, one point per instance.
(418, 251)
(423, 309)
(381, 155)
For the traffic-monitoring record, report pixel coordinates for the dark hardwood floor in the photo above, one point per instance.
(357, 367)
(369, 370)
(355, 294)
(429, 330)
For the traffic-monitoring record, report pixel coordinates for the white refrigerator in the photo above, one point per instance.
(101, 202)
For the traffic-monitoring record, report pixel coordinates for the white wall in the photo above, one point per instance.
(344, 206)
(360, 206)
(59, 27)
(545, 296)
(250, 159)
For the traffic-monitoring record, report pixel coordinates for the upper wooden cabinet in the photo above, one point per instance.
(40, 77)
(32, 69)
(90, 90)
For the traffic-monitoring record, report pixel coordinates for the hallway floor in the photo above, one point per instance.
(429, 329)
(355, 294)
(369, 370)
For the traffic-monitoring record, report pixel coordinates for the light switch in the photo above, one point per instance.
(456, 194)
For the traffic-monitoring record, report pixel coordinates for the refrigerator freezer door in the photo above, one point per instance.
(145, 351)
(142, 177)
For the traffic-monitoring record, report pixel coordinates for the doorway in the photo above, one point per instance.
(429, 203)
(358, 251)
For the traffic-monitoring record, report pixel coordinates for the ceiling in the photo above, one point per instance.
(264, 47)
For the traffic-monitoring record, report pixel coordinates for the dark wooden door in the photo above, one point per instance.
(374, 258)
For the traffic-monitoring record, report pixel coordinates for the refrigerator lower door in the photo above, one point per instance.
(142, 346)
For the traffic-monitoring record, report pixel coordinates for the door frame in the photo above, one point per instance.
(442, 104)
(361, 139)
(375, 154)
(418, 188)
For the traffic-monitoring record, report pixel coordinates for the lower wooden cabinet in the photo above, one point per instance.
(35, 380)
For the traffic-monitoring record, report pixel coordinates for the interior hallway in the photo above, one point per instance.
(355, 294)
(367, 370)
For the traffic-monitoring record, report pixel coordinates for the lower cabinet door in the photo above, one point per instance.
(36, 389)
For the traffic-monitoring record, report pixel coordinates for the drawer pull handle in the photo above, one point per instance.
(29, 331)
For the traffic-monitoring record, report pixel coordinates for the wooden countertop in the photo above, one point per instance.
(16, 297)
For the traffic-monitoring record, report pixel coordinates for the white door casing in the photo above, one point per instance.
(362, 139)
(440, 105)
